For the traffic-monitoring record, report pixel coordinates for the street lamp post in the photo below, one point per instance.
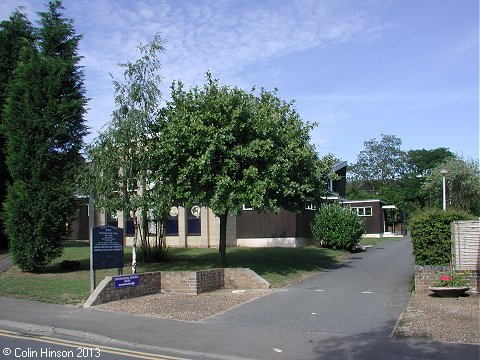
(444, 173)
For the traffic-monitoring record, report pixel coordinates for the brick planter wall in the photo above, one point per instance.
(179, 282)
(427, 275)
(150, 283)
(240, 278)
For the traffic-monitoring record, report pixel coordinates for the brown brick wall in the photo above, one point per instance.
(150, 283)
(180, 282)
(240, 278)
(426, 276)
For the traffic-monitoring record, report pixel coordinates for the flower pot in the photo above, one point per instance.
(449, 291)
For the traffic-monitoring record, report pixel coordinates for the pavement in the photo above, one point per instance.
(5, 263)
(349, 312)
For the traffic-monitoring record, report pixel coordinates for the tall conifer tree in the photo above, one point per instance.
(44, 128)
(15, 33)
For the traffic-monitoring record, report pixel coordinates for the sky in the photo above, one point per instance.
(358, 69)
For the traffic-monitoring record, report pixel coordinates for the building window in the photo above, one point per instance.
(172, 222)
(363, 211)
(130, 226)
(194, 224)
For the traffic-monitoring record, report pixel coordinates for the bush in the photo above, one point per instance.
(431, 234)
(152, 253)
(337, 227)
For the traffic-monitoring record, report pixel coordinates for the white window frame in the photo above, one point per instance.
(362, 210)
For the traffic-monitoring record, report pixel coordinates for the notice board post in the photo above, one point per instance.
(91, 225)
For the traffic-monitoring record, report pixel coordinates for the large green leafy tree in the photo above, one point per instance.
(420, 163)
(379, 163)
(44, 128)
(222, 147)
(15, 33)
(462, 185)
(121, 175)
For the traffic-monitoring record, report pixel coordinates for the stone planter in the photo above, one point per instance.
(452, 291)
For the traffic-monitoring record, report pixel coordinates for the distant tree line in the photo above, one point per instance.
(411, 179)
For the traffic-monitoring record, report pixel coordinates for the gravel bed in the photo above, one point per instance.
(428, 317)
(184, 306)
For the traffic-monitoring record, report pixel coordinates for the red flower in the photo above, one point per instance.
(446, 278)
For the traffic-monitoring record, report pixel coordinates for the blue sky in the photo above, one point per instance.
(359, 69)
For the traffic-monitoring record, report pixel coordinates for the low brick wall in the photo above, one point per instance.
(179, 282)
(150, 283)
(428, 275)
(241, 278)
(210, 280)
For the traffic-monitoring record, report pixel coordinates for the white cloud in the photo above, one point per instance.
(224, 37)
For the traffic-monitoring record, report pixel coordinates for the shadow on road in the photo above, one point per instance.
(372, 346)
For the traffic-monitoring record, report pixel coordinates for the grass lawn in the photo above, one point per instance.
(375, 241)
(279, 266)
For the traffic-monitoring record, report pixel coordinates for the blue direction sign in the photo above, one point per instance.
(125, 281)
(107, 247)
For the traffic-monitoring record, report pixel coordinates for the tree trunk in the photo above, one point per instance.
(134, 244)
(222, 245)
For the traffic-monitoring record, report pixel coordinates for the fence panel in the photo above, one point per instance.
(466, 245)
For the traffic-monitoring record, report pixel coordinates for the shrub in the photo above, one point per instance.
(152, 253)
(337, 227)
(431, 234)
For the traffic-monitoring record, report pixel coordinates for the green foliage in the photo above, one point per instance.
(15, 34)
(153, 253)
(404, 173)
(355, 190)
(43, 127)
(380, 162)
(430, 231)
(421, 162)
(462, 182)
(452, 280)
(223, 147)
(122, 175)
(337, 227)
(120, 156)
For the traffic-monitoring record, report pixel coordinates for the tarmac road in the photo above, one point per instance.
(365, 295)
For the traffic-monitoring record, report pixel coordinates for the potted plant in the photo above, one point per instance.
(452, 285)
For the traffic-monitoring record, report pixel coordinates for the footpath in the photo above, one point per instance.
(345, 313)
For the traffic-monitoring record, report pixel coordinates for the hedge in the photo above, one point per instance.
(431, 235)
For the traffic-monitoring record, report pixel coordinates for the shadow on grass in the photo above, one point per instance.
(279, 266)
(76, 251)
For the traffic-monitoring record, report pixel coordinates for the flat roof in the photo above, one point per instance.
(363, 201)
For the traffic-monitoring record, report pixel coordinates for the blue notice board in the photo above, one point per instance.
(107, 247)
(125, 281)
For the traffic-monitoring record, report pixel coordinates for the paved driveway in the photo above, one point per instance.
(365, 295)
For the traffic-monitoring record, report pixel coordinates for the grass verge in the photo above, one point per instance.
(279, 266)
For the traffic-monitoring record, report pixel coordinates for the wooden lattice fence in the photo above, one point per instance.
(466, 245)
